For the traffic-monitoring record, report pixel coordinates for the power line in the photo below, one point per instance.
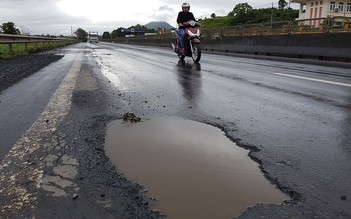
(268, 4)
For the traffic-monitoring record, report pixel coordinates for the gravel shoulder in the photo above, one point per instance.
(14, 70)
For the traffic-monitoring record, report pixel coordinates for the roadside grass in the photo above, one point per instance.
(18, 49)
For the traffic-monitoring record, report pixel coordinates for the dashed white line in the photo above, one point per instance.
(314, 79)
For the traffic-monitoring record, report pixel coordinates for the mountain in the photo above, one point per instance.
(158, 24)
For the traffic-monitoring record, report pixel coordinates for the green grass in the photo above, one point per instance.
(217, 22)
(18, 49)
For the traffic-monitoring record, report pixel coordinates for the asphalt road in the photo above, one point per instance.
(295, 117)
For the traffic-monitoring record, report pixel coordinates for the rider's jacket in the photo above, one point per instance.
(184, 17)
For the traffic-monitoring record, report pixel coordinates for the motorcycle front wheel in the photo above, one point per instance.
(181, 57)
(196, 53)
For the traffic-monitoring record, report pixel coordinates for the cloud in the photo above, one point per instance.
(164, 13)
(58, 16)
(166, 8)
(46, 17)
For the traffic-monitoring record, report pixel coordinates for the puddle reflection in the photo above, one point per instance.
(189, 77)
(191, 168)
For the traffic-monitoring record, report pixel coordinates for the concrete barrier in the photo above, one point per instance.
(323, 46)
(328, 46)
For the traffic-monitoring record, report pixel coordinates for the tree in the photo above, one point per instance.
(282, 4)
(25, 31)
(240, 9)
(10, 28)
(138, 27)
(106, 35)
(286, 14)
(253, 16)
(213, 15)
(241, 13)
(81, 34)
(118, 33)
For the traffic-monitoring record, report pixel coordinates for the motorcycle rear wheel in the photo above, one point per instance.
(196, 53)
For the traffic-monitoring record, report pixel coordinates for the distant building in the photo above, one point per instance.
(312, 9)
(163, 31)
(134, 32)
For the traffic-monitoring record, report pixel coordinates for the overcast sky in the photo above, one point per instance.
(58, 17)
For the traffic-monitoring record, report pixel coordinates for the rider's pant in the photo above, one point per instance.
(181, 33)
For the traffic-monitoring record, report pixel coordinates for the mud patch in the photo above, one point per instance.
(190, 168)
(130, 117)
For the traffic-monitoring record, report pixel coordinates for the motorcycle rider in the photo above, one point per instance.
(184, 16)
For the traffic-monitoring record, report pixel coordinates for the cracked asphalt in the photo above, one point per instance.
(52, 146)
(58, 166)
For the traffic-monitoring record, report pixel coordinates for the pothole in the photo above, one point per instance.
(192, 169)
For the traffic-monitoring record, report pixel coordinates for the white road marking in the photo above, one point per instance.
(314, 79)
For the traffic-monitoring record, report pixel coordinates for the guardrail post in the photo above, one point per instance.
(36, 45)
(328, 24)
(289, 27)
(43, 45)
(26, 47)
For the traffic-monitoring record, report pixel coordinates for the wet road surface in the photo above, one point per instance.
(21, 105)
(300, 126)
(296, 118)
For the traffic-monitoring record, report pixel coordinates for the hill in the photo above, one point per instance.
(158, 24)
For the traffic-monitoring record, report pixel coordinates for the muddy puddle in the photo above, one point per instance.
(191, 168)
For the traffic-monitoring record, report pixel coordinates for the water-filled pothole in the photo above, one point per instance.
(191, 168)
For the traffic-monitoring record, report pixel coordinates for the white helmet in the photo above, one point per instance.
(185, 5)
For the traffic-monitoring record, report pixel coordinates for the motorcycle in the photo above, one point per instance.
(192, 43)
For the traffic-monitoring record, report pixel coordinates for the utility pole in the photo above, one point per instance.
(272, 16)
(71, 31)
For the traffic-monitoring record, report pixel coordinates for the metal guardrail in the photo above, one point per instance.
(305, 26)
(10, 39)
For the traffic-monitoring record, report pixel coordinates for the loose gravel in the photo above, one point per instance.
(14, 70)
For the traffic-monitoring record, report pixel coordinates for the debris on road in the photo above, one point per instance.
(130, 117)
(75, 196)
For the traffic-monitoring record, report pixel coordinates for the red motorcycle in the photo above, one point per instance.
(192, 43)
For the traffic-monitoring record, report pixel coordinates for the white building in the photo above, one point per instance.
(312, 9)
